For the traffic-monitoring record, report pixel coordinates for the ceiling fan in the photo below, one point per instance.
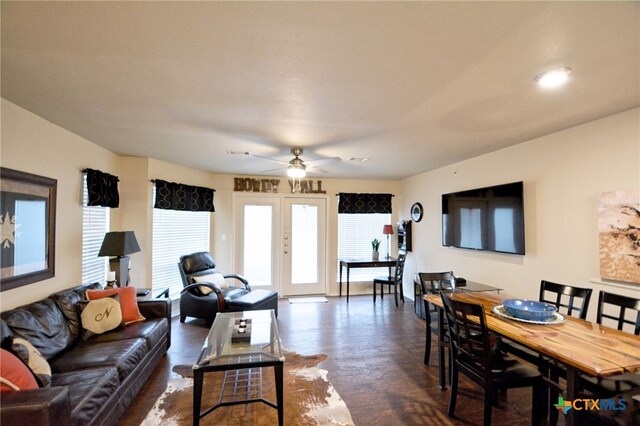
(296, 167)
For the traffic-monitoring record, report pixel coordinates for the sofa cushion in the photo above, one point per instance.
(14, 374)
(66, 301)
(89, 390)
(124, 355)
(99, 316)
(43, 325)
(33, 359)
(128, 301)
(152, 330)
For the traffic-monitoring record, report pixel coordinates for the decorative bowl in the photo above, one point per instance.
(529, 309)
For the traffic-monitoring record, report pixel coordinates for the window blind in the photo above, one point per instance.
(355, 233)
(95, 224)
(175, 233)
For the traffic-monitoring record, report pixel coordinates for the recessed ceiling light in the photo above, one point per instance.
(553, 78)
(357, 159)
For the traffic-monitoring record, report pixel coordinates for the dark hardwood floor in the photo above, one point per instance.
(375, 354)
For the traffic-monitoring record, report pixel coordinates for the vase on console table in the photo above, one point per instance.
(375, 255)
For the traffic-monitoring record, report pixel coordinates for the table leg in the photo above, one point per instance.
(197, 396)
(341, 280)
(347, 283)
(279, 392)
(572, 382)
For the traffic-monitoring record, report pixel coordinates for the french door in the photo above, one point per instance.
(281, 243)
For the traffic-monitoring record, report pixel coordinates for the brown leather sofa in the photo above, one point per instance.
(93, 381)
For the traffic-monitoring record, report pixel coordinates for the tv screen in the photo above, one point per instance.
(490, 218)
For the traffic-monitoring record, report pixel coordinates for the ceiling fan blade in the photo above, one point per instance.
(312, 169)
(273, 170)
(270, 159)
(323, 161)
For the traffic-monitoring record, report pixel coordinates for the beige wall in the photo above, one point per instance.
(31, 144)
(562, 173)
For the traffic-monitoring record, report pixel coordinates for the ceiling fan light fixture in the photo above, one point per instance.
(553, 78)
(296, 171)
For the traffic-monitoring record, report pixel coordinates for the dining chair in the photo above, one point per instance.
(433, 283)
(569, 300)
(622, 310)
(572, 300)
(395, 281)
(470, 347)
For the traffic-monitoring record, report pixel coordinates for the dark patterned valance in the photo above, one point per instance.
(364, 203)
(177, 196)
(102, 189)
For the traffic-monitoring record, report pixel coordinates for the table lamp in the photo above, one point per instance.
(120, 245)
(388, 231)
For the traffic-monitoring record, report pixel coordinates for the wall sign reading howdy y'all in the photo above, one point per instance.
(306, 186)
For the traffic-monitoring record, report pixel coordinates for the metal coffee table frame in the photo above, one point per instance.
(242, 363)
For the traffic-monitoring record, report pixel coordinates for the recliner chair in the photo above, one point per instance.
(206, 291)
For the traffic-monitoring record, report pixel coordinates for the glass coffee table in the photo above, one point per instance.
(241, 344)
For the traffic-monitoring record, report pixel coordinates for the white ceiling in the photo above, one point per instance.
(412, 86)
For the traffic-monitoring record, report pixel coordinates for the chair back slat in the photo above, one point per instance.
(399, 272)
(469, 340)
(624, 304)
(573, 300)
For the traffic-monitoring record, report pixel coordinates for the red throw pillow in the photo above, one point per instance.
(128, 302)
(14, 374)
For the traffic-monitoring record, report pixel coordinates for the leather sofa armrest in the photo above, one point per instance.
(157, 308)
(43, 406)
(240, 278)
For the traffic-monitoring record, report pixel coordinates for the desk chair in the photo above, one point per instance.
(472, 355)
(432, 283)
(395, 280)
(607, 303)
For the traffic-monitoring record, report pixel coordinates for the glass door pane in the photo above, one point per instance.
(304, 244)
(258, 239)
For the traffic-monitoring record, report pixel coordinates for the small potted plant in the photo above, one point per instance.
(375, 244)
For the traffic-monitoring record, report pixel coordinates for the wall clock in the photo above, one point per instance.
(416, 212)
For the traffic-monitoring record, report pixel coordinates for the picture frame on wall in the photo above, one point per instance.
(27, 222)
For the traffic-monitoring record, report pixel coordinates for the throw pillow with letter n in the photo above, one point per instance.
(100, 315)
(128, 302)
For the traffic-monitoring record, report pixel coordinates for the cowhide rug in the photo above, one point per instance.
(309, 398)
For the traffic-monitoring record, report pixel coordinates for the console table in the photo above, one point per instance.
(364, 263)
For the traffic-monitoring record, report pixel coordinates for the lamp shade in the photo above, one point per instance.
(387, 230)
(119, 244)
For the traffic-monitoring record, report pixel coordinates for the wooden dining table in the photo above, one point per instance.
(580, 346)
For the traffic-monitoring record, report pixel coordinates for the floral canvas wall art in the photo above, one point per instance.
(619, 235)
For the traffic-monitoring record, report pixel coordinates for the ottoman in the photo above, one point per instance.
(255, 300)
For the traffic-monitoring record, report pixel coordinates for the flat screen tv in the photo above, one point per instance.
(490, 219)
